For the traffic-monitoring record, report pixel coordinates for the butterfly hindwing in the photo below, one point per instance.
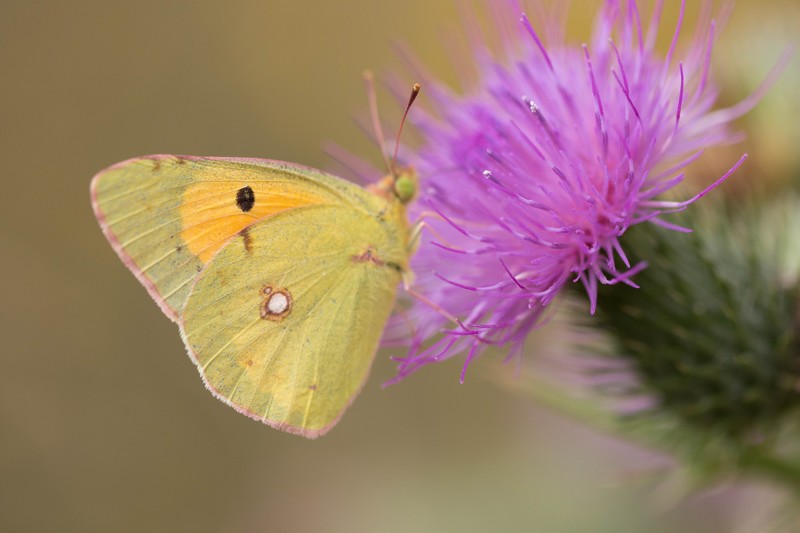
(283, 324)
(166, 216)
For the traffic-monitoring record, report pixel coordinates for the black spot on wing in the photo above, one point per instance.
(245, 199)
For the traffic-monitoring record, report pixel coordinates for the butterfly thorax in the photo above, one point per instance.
(396, 191)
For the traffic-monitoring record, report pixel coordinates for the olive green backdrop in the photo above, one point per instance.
(105, 424)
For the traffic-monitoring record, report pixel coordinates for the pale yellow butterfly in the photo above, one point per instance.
(280, 277)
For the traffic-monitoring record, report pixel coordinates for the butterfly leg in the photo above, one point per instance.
(419, 225)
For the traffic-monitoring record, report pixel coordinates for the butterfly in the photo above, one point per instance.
(280, 277)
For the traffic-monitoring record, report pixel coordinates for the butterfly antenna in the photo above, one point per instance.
(414, 92)
(369, 84)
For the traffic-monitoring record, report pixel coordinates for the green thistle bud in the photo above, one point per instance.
(713, 334)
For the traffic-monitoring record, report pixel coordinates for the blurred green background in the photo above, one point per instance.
(105, 423)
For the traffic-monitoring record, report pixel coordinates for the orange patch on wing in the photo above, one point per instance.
(210, 214)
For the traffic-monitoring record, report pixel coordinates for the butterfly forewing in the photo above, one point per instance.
(166, 216)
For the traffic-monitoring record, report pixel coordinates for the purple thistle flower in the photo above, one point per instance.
(530, 178)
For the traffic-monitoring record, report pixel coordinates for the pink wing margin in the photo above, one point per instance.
(127, 260)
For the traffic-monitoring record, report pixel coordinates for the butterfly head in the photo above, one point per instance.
(402, 185)
(405, 184)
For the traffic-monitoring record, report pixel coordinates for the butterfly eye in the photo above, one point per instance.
(405, 186)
